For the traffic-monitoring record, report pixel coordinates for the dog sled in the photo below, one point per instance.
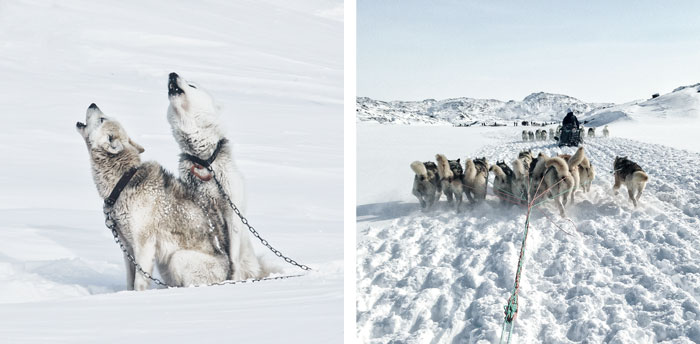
(570, 134)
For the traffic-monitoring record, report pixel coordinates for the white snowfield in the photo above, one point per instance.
(613, 274)
(277, 70)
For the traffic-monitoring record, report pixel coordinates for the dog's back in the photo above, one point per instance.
(632, 175)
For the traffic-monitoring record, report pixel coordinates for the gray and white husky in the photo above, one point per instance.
(476, 177)
(426, 183)
(632, 175)
(155, 215)
(451, 173)
(194, 118)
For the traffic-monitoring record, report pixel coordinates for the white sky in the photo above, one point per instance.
(597, 51)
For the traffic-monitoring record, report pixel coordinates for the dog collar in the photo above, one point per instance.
(121, 184)
(208, 162)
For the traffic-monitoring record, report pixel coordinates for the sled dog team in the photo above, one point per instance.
(530, 178)
(184, 225)
(541, 134)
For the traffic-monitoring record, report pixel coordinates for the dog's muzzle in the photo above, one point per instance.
(173, 88)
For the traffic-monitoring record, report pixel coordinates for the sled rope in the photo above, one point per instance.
(511, 308)
(111, 224)
(255, 233)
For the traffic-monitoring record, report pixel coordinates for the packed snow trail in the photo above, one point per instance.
(624, 275)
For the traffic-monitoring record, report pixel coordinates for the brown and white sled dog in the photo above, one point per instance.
(632, 175)
(476, 177)
(155, 215)
(521, 172)
(194, 119)
(574, 162)
(559, 182)
(450, 172)
(426, 183)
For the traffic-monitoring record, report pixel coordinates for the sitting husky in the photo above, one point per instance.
(591, 132)
(450, 172)
(606, 132)
(194, 119)
(525, 136)
(543, 135)
(476, 177)
(426, 183)
(531, 135)
(551, 133)
(634, 177)
(157, 219)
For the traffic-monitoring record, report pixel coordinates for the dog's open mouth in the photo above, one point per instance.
(80, 125)
(173, 88)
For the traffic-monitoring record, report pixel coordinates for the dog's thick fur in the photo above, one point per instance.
(504, 182)
(632, 175)
(156, 217)
(194, 119)
(426, 183)
(451, 183)
(558, 181)
(574, 163)
(476, 177)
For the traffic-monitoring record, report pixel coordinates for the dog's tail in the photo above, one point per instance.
(443, 167)
(640, 177)
(560, 165)
(469, 170)
(577, 158)
(519, 169)
(420, 170)
(498, 172)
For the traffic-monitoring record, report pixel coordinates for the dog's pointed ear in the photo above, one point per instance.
(458, 160)
(113, 145)
(137, 146)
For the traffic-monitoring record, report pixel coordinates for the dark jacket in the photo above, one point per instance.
(570, 120)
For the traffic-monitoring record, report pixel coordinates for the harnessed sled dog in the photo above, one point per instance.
(207, 167)
(632, 175)
(451, 174)
(426, 183)
(158, 220)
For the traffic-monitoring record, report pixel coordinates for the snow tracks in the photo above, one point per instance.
(621, 275)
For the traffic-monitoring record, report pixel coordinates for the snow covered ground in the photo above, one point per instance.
(277, 69)
(613, 274)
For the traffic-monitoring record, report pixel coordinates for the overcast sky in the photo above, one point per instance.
(597, 51)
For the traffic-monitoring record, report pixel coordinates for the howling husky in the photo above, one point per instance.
(632, 175)
(154, 213)
(194, 119)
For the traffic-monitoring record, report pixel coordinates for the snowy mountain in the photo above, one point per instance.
(680, 105)
(538, 106)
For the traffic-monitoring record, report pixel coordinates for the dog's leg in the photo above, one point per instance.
(145, 253)
(640, 188)
(630, 192)
(468, 191)
(130, 271)
(618, 182)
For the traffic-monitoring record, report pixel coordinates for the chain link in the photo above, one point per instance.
(255, 233)
(111, 224)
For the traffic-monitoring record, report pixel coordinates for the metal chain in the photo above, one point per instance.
(250, 228)
(111, 224)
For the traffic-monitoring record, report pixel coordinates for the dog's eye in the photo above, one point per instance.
(193, 86)
(102, 119)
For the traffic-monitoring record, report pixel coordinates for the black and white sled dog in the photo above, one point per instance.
(525, 136)
(155, 214)
(632, 175)
(426, 183)
(591, 132)
(194, 118)
(475, 180)
(531, 135)
(451, 174)
(504, 183)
